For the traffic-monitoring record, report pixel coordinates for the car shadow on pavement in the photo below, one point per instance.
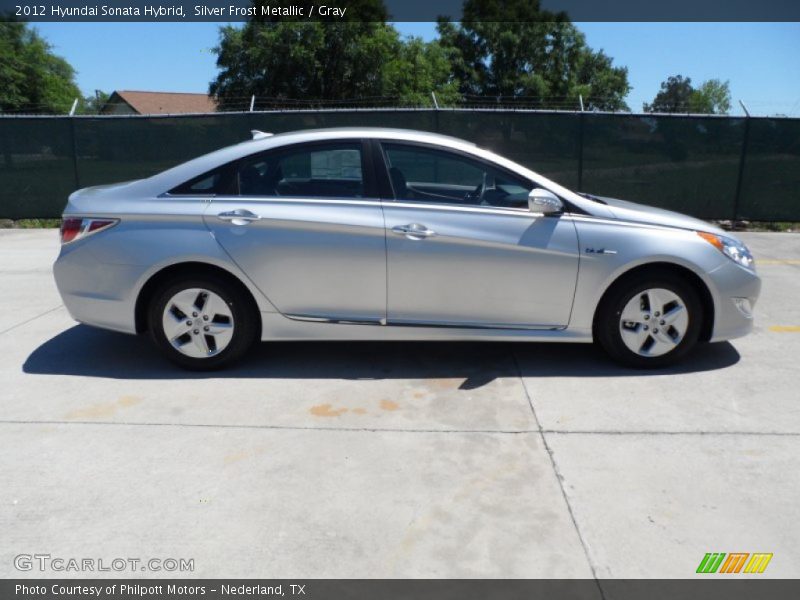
(88, 352)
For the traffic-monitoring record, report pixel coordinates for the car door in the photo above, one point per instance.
(464, 250)
(304, 225)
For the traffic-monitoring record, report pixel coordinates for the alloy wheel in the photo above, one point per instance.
(198, 323)
(654, 322)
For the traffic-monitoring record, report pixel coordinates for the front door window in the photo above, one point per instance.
(428, 175)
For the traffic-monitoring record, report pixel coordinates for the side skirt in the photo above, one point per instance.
(276, 327)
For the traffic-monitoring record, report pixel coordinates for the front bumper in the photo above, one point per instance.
(737, 291)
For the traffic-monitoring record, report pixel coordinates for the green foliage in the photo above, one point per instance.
(302, 60)
(309, 60)
(91, 105)
(674, 96)
(32, 78)
(327, 61)
(416, 69)
(536, 56)
(513, 49)
(37, 223)
(712, 97)
(678, 95)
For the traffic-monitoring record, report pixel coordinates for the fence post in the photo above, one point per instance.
(74, 152)
(742, 157)
(435, 113)
(580, 150)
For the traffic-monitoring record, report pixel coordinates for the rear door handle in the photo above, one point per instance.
(240, 216)
(413, 231)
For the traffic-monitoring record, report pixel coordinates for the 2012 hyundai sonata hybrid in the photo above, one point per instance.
(382, 234)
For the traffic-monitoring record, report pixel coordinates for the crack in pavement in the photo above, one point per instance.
(25, 322)
(273, 427)
(559, 479)
(396, 430)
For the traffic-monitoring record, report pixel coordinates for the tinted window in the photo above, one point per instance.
(429, 175)
(215, 182)
(308, 172)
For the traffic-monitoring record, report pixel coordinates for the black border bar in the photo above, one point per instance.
(703, 587)
(395, 10)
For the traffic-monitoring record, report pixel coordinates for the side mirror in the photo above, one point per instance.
(542, 201)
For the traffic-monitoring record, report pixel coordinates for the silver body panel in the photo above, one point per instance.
(315, 258)
(336, 268)
(482, 267)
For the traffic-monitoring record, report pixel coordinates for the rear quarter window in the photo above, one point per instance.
(217, 181)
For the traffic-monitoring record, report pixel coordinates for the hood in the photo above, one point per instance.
(640, 213)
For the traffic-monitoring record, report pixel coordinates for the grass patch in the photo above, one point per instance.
(33, 223)
(784, 226)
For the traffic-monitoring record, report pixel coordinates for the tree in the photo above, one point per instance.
(280, 61)
(674, 96)
(678, 95)
(91, 105)
(301, 60)
(418, 69)
(515, 50)
(712, 97)
(534, 54)
(283, 62)
(32, 78)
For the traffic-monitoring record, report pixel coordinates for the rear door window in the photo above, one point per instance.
(311, 171)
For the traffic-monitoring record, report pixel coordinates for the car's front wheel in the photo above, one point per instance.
(649, 321)
(202, 323)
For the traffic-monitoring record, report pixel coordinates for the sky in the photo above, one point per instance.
(759, 59)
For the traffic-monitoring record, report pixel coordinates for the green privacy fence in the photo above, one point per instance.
(710, 167)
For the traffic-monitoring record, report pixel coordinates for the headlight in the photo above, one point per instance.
(731, 248)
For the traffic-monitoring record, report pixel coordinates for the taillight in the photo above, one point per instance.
(70, 229)
(76, 228)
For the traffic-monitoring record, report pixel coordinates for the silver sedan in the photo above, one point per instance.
(382, 234)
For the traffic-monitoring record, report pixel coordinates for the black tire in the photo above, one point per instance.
(245, 319)
(608, 326)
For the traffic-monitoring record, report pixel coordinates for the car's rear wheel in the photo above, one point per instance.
(202, 323)
(649, 321)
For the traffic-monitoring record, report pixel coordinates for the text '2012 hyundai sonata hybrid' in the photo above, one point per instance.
(381, 234)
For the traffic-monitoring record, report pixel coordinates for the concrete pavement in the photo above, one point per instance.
(396, 460)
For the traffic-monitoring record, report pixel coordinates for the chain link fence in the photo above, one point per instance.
(707, 166)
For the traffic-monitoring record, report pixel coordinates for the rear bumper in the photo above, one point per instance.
(737, 292)
(99, 312)
(111, 302)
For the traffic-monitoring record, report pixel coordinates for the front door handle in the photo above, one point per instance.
(413, 231)
(240, 216)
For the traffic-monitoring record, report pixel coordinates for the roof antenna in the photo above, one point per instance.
(260, 135)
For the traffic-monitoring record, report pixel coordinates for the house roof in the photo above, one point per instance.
(162, 103)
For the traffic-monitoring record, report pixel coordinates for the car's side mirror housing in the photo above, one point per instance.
(545, 202)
